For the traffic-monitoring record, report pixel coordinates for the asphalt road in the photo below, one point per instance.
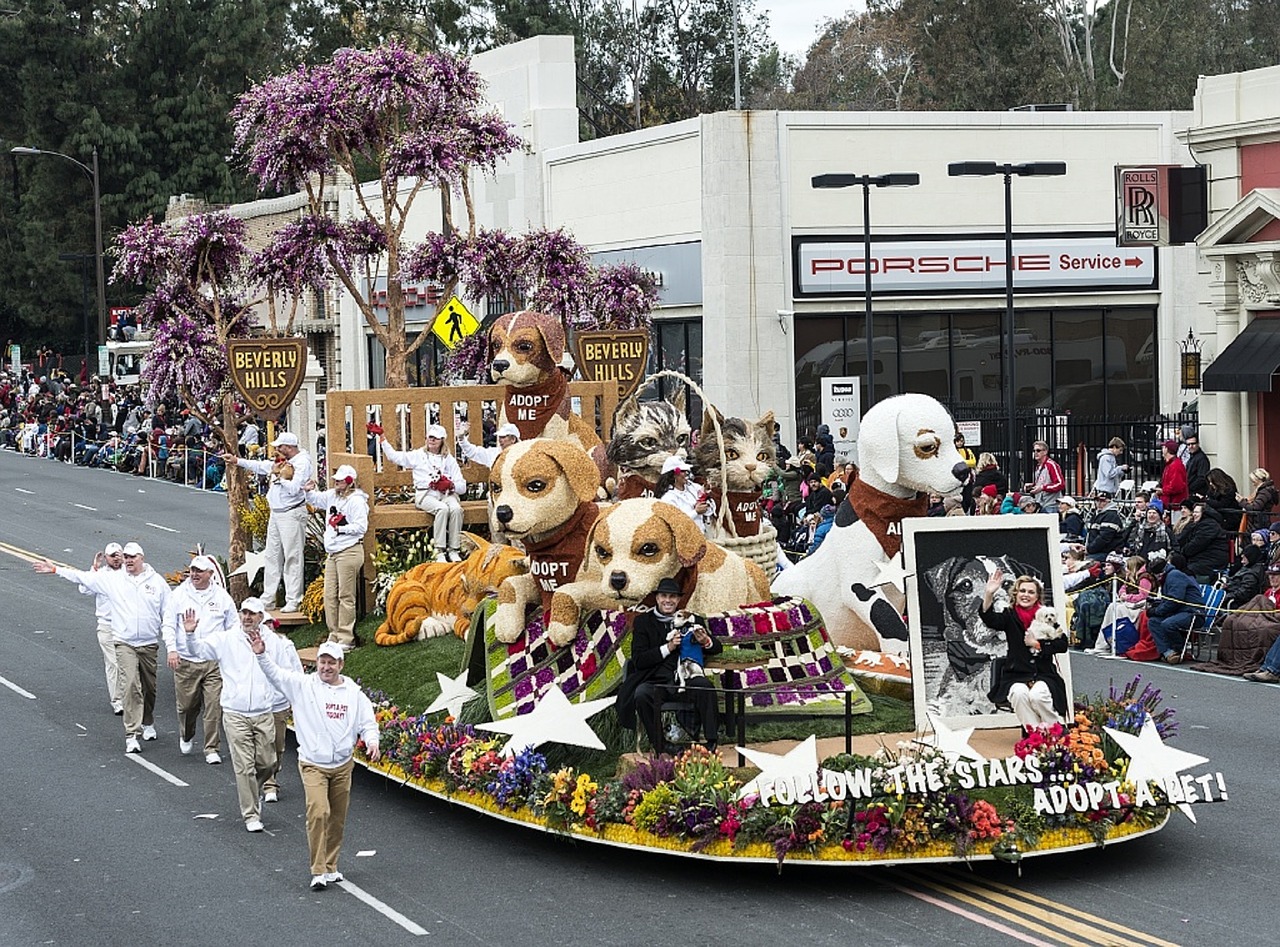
(98, 849)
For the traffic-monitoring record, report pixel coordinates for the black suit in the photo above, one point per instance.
(651, 679)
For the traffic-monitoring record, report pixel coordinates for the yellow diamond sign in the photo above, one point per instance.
(454, 323)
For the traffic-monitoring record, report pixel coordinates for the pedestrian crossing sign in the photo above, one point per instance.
(454, 322)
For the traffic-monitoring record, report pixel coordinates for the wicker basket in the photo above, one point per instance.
(762, 549)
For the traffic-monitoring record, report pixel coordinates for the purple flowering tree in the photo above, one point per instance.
(202, 281)
(406, 123)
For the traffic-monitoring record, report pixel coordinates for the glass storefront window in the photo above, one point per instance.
(1032, 350)
(926, 354)
(1079, 368)
(975, 357)
(819, 353)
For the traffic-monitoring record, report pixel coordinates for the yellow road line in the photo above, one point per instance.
(1053, 919)
(27, 556)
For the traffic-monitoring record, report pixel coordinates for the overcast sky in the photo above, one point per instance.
(794, 23)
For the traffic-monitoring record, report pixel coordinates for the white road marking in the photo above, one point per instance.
(147, 764)
(29, 493)
(383, 909)
(82, 727)
(16, 689)
(91, 509)
(165, 528)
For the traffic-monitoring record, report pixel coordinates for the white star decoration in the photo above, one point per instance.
(953, 744)
(254, 562)
(891, 572)
(454, 693)
(1151, 759)
(798, 762)
(553, 720)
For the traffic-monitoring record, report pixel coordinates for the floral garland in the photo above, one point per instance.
(690, 802)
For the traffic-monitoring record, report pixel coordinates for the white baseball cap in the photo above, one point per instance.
(113, 549)
(332, 649)
(253, 604)
(509, 430)
(436, 430)
(345, 472)
(204, 564)
(674, 463)
(286, 439)
(132, 549)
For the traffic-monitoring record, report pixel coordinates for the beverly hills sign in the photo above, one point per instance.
(267, 372)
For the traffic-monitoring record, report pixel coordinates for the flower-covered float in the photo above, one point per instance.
(544, 654)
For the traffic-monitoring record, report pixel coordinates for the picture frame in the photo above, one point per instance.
(948, 561)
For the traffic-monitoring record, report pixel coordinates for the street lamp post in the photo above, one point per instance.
(1028, 169)
(91, 171)
(866, 182)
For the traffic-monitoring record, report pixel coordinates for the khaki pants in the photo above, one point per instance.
(341, 573)
(282, 730)
(137, 685)
(252, 742)
(198, 686)
(328, 793)
(446, 524)
(107, 642)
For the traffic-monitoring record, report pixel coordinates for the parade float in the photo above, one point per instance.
(514, 733)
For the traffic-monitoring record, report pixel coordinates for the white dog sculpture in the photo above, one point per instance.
(906, 450)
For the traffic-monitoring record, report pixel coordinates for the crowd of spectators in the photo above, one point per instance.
(99, 423)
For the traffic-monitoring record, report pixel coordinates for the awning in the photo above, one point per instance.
(1249, 362)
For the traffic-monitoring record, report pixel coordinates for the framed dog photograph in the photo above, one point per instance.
(949, 561)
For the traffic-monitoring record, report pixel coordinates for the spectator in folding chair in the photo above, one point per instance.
(1248, 632)
(1176, 605)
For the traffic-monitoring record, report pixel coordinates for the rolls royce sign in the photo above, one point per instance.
(826, 266)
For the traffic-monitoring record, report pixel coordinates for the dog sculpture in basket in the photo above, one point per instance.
(637, 543)
(435, 598)
(906, 451)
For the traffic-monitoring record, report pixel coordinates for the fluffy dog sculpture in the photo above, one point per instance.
(527, 354)
(637, 543)
(906, 451)
(435, 598)
(541, 495)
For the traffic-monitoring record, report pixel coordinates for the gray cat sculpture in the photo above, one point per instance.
(749, 455)
(645, 434)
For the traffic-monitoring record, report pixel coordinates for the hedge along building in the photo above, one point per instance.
(1235, 131)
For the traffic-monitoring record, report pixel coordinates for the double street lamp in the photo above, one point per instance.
(1028, 169)
(866, 182)
(91, 171)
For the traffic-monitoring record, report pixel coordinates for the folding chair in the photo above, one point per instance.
(1204, 627)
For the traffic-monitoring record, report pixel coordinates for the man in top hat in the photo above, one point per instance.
(662, 641)
(287, 528)
(330, 712)
(138, 596)
(198, 608)
(346, 509)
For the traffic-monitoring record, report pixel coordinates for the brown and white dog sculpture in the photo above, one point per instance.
(541, 495)
(526, 354)
(906, 451)
(637, 543)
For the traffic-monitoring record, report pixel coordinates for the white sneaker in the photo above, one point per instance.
(213, 759)
(253, 825)
(332, 877)
(440, 557)
(117, 708)
(131, 745)
(184, 746)
(455, 555)
(148, 733)
(290, 607)
(270, 796)
(318, 883)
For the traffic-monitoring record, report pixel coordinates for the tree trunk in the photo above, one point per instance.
(395, 342)
(237, 499)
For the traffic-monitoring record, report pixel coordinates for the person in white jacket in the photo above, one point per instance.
(330, 712)
(138, 596)
(287, 527)
(676, 487)
(437, 483)
(112, 557)
(248, 703)
(198, 609)
(508, 434)
(346, 511)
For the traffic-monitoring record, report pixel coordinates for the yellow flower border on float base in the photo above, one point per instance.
(625, 836)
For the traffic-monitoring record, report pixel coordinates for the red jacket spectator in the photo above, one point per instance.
(1173, 481)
